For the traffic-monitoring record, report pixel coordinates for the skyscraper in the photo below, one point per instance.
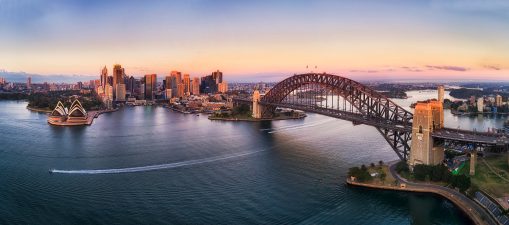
(187, 84)
(150, 86)
(222, 87)
(168, 85)
(120, 92)
(176, 80)
(177, 75)
(196, 86)
(180, 90)
(211, 83)
(217, 76)
(130, 86)
(104, 77)
(118, 76)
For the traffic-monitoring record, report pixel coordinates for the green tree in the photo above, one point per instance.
(402, 167)
(382, 176)
(462, 182)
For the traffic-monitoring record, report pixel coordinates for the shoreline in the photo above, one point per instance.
(476, 212)
(39, 110)
(256, 120)
(90, 119)
(466, 210)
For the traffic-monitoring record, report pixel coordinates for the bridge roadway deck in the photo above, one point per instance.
(350, 116)
(471, 137)
(357, 118)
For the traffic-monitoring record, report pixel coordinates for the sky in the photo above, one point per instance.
(360, 39)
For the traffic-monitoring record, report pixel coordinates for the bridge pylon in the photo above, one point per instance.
(257, 107)
(428, 116)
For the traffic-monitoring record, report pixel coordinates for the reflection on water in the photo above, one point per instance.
(297, 176)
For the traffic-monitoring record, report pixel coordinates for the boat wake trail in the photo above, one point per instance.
(296, 127)
(154, 167)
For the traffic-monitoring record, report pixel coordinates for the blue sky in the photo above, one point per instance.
(378, 39)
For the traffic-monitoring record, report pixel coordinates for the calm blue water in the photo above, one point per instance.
(281, 172)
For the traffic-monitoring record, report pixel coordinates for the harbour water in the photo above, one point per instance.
(149, 165)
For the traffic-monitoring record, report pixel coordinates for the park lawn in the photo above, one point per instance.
(389, 179)
(488, 181)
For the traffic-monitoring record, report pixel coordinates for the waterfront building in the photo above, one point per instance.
(480, 104)
(104, 77)
(131, 83)
(498, 100)
(441, 91)
(180, 90)
(175, 80)
(196, 86)
(170, 83)
(428, 116)
(150, 86)
(210, 83)
(120, 92)
(168, 93)
(142, 89)
(77, 114)
(118, 76)
(187, 84)
(472, 100)
(222, 87)
(59, 114)
(2, 81)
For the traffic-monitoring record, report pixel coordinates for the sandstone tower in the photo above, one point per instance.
(441, 92)
(257, 108)
(428, 116)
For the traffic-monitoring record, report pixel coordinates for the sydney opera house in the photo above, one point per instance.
(63, 116)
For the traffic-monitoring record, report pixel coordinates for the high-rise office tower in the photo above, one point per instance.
(217, 76)
(104, 77)
(120, 92)
(175, 81)
(222, 87)
(150, 86)
(177, 75)
(196, 86)
(118, 76)
(187, 84)
(180, 90)
(168, 85)
(130, 86)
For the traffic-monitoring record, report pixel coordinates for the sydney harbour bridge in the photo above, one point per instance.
(346, 99)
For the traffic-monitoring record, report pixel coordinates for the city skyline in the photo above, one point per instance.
(369, 40)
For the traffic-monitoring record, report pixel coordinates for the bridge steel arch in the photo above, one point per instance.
(394, 122)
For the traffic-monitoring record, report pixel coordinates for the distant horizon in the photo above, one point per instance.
(430, 39)
(242, 78)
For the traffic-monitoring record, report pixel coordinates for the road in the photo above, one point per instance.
(479, 215)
